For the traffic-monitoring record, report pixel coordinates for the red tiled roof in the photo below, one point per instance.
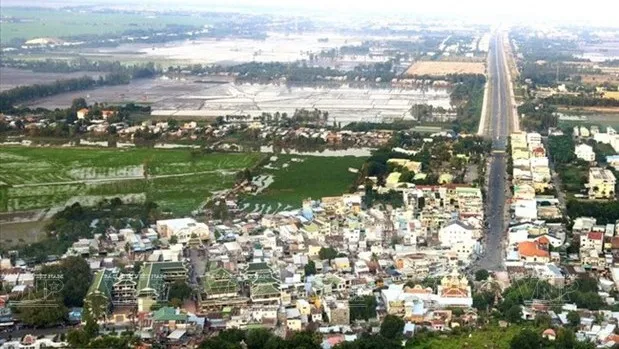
(454, 292)
(595, 236)
(543, 240)
(531, 249)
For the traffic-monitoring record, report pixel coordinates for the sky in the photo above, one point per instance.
(602, 12)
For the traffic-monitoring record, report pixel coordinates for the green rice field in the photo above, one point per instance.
(291, 179)
(59, 23)
(177, 180)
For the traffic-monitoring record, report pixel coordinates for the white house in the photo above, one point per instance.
(585, 152)
(534, 139)
(460, 237)
(183, 229)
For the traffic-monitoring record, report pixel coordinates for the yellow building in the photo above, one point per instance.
(304, 307)
(313, 250)
(341, 263)
(601, 183)
(393, 179)
(520, 153)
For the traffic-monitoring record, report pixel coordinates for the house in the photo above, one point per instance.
(532, 252)
(81, 114)
(601, 183)
(585, 152)
(341, 264)
(337, 311)
(459, 236)
(592, 241)
(169, 318)
(33, 342)
(534, 139)
(107, 113)
(613, 160)
(393, 179)
(549, 334)
(183, 228)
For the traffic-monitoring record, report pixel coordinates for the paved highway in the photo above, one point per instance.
(500, 109)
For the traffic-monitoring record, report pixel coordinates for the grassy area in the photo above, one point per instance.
(40, 22)
(602, 120)
(178, 180)
(315, 177)
(573, 177)
(488, 337)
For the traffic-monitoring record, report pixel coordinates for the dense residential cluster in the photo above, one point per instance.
(326, 266)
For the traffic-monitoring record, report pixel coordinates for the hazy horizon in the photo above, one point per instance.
(562, 12)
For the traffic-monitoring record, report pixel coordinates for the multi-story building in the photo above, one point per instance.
(585, 152)
(460, 237)
(152, 281)
(601, 183)
(592, 241)
(183, 228)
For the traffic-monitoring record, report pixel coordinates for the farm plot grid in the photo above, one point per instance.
(288, 179)
(177, 180)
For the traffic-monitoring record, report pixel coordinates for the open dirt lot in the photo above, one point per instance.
(440, 68)
(598, 79)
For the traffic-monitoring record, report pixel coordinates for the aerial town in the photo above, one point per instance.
(191, 178)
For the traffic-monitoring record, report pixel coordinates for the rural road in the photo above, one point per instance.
(500, 110)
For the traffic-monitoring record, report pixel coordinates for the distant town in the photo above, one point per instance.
(174, 179)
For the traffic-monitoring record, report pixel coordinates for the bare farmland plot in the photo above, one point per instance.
(441, 68)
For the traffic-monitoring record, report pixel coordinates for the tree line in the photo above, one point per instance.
(21, 94)
(538, 116)
(82, 64)
(581, 101)
(296, 72)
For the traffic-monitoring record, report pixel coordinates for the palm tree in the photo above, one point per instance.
(127, 247)
(97, 307)
(492, 285)
(133, 314)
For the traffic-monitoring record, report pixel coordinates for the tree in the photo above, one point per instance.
(392, 327)
(77, 338)
(483, 300)
(481, 275)
(76, 279)
(305, 339)
(180, 290)
(310, 268)
(573, 318)
(258, 338)
(79, 103)
(97, 307)
(362, 308)
(514, 314)
(543, 320)
(526, 339)
(327, 253)
(173, 239)
(42, 313)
